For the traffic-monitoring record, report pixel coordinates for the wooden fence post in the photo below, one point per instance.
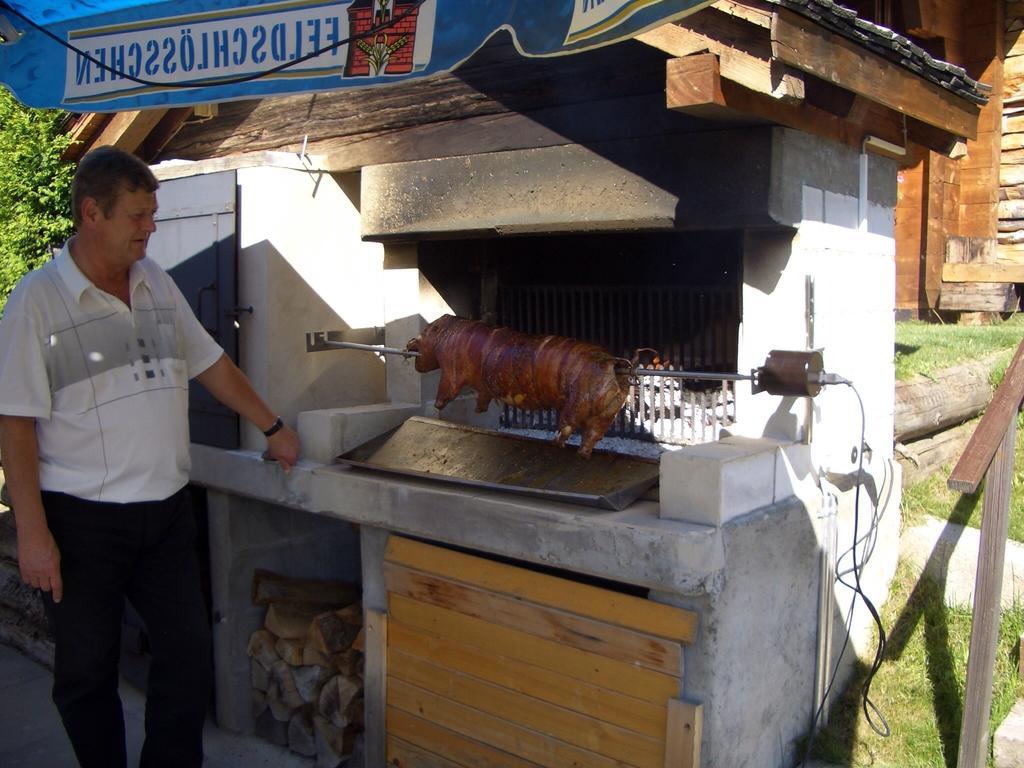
(987, 593)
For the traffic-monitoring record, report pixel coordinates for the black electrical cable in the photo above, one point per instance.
(882, 729)
(868, 706)
(215, 82)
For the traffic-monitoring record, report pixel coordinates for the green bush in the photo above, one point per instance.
(35, 189)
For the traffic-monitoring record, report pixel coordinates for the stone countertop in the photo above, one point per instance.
(634, 546)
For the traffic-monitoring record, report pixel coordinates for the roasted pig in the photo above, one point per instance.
(586, 384)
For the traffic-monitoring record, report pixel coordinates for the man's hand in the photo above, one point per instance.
(283, 447)
(39, 562)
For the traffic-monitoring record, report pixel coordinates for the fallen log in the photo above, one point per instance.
(925, 405)
(921, 458)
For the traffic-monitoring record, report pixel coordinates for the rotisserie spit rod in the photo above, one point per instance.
(367, 348)
(786, 373)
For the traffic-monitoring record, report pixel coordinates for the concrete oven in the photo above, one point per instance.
(741, 531)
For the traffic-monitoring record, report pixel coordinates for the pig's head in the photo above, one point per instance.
(426, 343)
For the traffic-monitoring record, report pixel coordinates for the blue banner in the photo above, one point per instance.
(111, 55)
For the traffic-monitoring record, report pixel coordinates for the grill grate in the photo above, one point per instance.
(694, 328)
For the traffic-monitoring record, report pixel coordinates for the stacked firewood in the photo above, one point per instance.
(23, 623)
(307, 666)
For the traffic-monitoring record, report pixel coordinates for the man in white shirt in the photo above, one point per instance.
(96, 351)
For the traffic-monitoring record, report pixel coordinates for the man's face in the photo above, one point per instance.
(125, 232)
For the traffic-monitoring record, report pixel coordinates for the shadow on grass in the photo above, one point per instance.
(925, 605)
(906, 349)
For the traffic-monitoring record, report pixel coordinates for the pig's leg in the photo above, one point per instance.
(593, 431)
(447, 390)
(564, 433)
(566, 423)
(483, 401)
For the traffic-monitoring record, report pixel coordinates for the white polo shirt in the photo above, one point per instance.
(107, 385)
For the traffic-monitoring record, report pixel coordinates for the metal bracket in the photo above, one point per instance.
(365, 339)
(319, 341)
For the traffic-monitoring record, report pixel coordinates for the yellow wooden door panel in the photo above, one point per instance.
(635, 714)
(402, 754)
(603, 604)
(453, 746)
(591, 667)
(564, 724)
(553, 624)
(495, 731)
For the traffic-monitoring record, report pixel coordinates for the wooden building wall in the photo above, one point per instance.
(1011, 187)
(947, 205)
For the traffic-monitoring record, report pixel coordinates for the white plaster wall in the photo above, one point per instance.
(303, 267)
(853, 273)
(854, 290)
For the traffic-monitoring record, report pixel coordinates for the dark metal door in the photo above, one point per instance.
(196, 243)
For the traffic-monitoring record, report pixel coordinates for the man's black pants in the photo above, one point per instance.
(143, 551)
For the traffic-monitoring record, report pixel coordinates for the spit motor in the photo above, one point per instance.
(790, 374)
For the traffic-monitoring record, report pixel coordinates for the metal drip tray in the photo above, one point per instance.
(483, 458)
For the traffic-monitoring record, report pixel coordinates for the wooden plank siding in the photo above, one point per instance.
(1010, 185)
(495, 664)
(910, 231)
(601, 604)
(959, 198)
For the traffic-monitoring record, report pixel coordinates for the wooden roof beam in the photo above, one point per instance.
(163, 132)
(756, 12)
(82, 133)
(801, 43)
(743, 49)
(127, 130)
(695, 85)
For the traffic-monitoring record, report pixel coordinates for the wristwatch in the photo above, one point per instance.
(274, 428)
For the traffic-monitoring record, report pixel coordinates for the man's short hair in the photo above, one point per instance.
(103, 173)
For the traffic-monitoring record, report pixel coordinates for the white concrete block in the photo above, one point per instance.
(329, 432)
(794, 473)
(404, 383)
(712, 483)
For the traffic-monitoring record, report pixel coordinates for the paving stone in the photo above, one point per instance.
(949, 553)
(1008, 744)
(32, 736)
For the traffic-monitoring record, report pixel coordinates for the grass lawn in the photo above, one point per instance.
(926, 347)
(919, 688)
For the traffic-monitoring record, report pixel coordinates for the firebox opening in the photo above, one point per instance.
(675, 293)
